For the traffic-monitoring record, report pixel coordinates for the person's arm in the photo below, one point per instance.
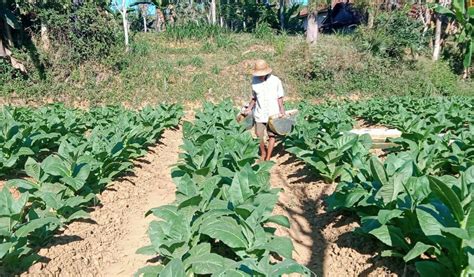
(281, 106)
(251, 104)
(280, 94)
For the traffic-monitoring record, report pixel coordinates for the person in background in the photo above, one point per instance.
(267, 101)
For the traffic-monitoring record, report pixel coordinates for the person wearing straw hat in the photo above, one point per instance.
(267, 101)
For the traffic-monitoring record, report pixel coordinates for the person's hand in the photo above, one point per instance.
(246, 112)
(281, 115)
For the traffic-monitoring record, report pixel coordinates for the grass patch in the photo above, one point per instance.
(188, 70)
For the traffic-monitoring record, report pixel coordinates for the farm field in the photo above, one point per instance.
(343, 209)
(122, 151)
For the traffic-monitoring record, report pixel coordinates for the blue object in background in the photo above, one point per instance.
(151, 7)
(299, 2)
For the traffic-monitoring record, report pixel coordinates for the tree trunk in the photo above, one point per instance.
(282, 15)
(427, 20)
(144, 10)
(8, 35)
(313, 29)
(370, 18)
(437, 41)
(157, 20)
(213, 12)
(3, 52)
(45, 37)
(125, 24)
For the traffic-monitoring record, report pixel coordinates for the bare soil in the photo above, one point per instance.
(106, 245)
(323, 240)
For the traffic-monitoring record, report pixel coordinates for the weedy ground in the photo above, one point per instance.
(161, 68)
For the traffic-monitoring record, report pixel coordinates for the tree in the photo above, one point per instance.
(123, 10)
(438, 30)
(312, 29)
(464, 16)
(213, 12)
(312, 26)
(144, 11)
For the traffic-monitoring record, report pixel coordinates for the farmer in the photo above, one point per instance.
(267, 101)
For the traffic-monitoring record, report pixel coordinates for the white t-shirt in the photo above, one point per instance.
(266, 94)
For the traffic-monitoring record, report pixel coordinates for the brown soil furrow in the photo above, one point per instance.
(323, 240)
(106, 245)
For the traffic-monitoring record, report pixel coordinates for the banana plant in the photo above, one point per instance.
(464, 16)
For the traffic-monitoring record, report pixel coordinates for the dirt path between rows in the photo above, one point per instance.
(323, 240)
(107, 247)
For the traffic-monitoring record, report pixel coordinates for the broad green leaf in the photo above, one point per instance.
(200, 249)
(391, 253)
(470, 221)
(280, 245)
(233, 273)
(224, 229)
(459, 6)
(384, 216)
(378, 171)
(146, 250)
(81, 214)
(4, 248)
(73, 183)
(33, 169)
(391, 236)
(165, 212)
(53, 165)
(288, 266)
(434, 218)
(34, 224)
(431, 268)
(83, 172)
(149, 271)
(208, 263)
(443, 10)
(174, 268)
(25, 151)
(447, 196)
(190, 202)
(280, 220)
(22, 184)
(240, 188)
(457, 232)
(416, 251)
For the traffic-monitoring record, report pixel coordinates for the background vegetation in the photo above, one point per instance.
(74, 52)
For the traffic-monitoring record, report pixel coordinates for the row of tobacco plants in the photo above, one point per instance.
(56, 159)
(221, 223)
(416, 198)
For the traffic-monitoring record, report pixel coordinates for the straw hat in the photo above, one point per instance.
(261, 68)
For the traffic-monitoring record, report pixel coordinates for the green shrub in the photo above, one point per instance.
(87, 33)
(193, 30)
(335, 66)
(392, 36)
(264, 31)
